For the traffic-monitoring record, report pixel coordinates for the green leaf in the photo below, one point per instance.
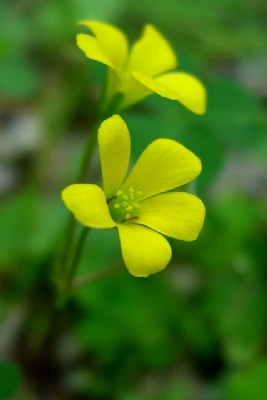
(102, 249)
(104, 10)
(249, 384)
(10, 379)
(234, 113)
(243, 335)
(16, 215)
(18, 78)
(31, 226)
(208, 147)
(136, 315)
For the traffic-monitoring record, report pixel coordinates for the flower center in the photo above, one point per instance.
(124, 207)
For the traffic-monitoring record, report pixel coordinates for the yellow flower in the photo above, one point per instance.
(138, 204)
(143, 70)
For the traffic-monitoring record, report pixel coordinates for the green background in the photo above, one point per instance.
(198, 329)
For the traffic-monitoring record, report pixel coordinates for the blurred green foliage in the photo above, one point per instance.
(11, 378)
(195, 331)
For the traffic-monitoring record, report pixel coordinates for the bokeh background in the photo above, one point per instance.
(197, 331)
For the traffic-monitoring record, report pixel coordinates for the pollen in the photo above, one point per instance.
(124, 206)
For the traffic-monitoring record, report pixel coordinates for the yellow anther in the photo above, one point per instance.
(125, 197)
(131, 189)
(117, 205)
(128, 216)
(120, 193)
(129, 208)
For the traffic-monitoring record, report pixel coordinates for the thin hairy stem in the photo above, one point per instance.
(70, 226)
(95, 276)
(73, 265)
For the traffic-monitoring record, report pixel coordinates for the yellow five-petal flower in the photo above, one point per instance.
(143, 70)
(138, 204)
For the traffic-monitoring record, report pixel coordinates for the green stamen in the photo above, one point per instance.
(124, 207)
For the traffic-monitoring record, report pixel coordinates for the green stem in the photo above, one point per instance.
(70, 226)
(72, 266)
(68, 268)
(90, 145)
(68, 240)
(67, 263)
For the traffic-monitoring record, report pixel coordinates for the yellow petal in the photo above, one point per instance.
(144, 251)
(88, 204)
(114, 148)
(178, 215)
(164, 165)
(109, 46)
(179, 86)
(152, 54)
(94, 50)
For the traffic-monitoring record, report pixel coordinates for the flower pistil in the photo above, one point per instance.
(124, 207)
